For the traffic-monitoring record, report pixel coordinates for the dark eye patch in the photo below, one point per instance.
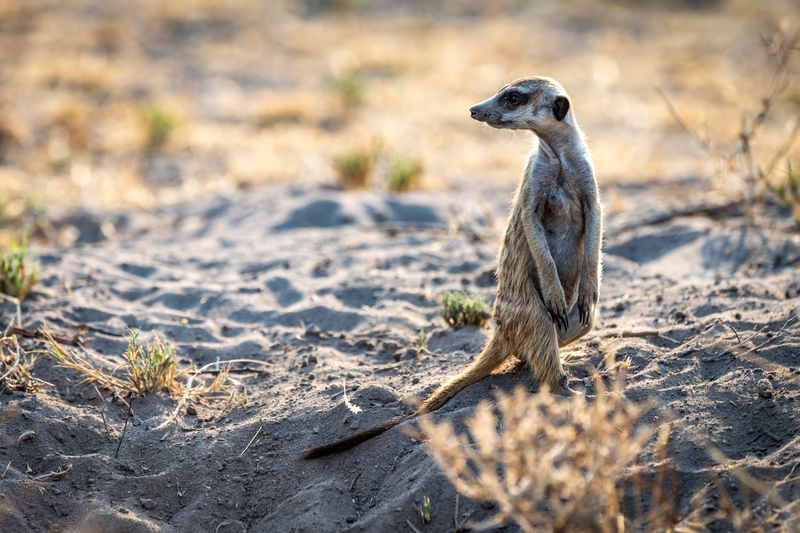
(515, 99)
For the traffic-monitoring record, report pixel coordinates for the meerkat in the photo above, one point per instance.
(548, 272)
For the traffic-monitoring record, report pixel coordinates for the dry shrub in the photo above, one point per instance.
(738, 155)
(554, 463)
(153, 368)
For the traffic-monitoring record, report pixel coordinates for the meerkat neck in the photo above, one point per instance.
(565, 143)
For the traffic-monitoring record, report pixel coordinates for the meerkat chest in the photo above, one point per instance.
(560, 211)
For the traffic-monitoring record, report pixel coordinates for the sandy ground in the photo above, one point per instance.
(332, 288)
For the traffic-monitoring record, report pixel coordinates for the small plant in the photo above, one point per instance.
(553, 465)
(159, 125)
(354, 168)
(151, 367)
(462, 309)
(787, 190)
(424, 510)
(17, 276)
(350, 88)
(404, 175)
(422, 341)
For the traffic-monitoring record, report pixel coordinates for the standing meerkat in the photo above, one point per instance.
(548, 272)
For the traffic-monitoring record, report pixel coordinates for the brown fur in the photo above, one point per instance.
(549, 261)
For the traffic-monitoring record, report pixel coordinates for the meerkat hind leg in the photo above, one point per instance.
(539, 348)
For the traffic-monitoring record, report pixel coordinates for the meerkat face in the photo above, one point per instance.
(537, 104)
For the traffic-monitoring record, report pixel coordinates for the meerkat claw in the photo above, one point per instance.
(559, 319)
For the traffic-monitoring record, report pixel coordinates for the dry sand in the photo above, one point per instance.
(332, 288)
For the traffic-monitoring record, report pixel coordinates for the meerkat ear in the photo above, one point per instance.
(560, 107)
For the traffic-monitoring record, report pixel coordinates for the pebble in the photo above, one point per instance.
(765, 389)
(147, 503)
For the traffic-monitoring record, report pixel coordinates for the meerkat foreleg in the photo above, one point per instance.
(589, 286)
(552, 292)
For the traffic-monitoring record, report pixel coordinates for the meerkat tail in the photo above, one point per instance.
(489, 359)
(355, 440)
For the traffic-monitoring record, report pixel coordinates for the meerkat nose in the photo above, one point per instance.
(476, 112)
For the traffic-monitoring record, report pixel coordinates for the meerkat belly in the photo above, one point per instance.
(563, 224)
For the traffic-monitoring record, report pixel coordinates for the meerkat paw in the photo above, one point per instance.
(556, 306)
(587, 300)
(562, 387)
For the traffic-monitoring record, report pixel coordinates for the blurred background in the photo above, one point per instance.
(133, 103)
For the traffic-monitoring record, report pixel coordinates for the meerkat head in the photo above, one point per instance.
(538, 104)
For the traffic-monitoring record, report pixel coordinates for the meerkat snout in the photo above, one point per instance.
(479, 113)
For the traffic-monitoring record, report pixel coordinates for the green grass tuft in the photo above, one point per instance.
(159, 125)
(350, 89)
(462, 309)
(17, 276)
(151, 367)
(422, 341)
(404, 175)
(787, 190)
(424, 510)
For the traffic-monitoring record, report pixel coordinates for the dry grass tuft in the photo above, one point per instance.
(283, 108)
(554, 463)
(17, 276)
(15, 367)
(354, 168)
(462, 309)
(153, 368)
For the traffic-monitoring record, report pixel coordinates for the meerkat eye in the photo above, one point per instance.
(514, 99)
